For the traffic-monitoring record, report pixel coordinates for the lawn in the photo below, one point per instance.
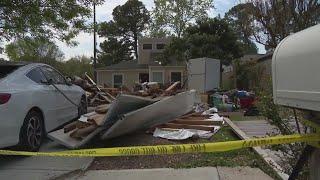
(241, 157)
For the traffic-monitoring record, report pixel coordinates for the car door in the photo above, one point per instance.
(44, 96)
(66, 109)
(73, 95)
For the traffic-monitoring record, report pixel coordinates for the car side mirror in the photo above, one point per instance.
(68, 81)
(48, 82)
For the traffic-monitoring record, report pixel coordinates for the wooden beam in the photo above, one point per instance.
(197, 122)
(187, 126)
(271, 162)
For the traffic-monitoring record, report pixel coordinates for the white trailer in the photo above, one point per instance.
(203, 74)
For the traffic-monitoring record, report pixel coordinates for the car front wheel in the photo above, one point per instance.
(32, 132)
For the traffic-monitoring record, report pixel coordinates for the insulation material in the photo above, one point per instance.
(181, 134)
(210, 111)
(216, 117)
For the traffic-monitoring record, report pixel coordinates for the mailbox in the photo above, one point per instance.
(296, 70)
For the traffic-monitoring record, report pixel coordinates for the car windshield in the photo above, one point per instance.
(5, 70)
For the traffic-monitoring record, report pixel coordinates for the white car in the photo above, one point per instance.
(35, 99)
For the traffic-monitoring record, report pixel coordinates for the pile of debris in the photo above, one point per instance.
(126, 114)
(168, 112)
(87, 123)
(152, 89)
(192, 125)
(95, 95)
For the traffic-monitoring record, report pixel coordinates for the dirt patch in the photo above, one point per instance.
(140, 162)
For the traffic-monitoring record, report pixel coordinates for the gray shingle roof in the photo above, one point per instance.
(125, 65)
(133, 64)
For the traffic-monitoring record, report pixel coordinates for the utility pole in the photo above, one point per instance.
(94, 42)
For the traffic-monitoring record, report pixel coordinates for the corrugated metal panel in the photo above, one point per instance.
(157, 113)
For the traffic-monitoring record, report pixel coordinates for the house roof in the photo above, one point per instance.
(133, 64)
(250, 57)
(125, 65)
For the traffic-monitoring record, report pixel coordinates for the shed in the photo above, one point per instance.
(203, 74)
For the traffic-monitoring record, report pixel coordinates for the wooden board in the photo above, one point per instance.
(271, 162)
(187, 126)
(97, 119)
(197, 122)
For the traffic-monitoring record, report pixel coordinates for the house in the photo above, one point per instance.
(145, 68)
(262, 64)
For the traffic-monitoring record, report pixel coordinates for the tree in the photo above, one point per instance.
(212, 38)
(129, 21)
(113, 51)
(77, 65)
(177, 15)
(270, 21)
(34, 50)
(49, 19)
(240, 20)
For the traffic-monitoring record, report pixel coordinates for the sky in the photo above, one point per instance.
(104, 13)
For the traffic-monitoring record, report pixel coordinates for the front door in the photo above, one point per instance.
(143, 77)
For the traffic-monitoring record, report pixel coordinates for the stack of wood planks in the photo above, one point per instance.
(193, 121)
(87, 123)
(193, 125)
(95, 95)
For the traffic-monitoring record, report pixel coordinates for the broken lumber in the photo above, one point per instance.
(91, 81)
(197, 122)
(70, 127)
(187, 126)
(80, 133)
(173, 86)
(102, 109)
(97, 119)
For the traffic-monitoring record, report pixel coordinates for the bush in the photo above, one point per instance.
(279, 116)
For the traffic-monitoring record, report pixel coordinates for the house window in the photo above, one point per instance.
(175, 76)
(160, 46)
(143, 77)
(117, 80)
(147, 46)
(157, 77)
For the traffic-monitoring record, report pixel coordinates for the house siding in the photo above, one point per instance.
(145, 54)
(129, 77)
(167, 72)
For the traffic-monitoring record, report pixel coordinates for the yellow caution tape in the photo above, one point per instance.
(315, 128)
(173, 149)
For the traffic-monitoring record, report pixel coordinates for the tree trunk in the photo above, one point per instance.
(220, 75)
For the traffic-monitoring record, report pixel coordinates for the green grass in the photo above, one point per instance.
(240, 157)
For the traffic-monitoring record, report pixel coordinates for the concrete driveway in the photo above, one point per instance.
(18, 167)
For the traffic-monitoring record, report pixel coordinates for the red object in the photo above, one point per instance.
(246, 102)
(4, 98)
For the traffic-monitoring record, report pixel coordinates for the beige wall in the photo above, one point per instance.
(132, 76)
(167, 72)
(145, 54)
(129, 77)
